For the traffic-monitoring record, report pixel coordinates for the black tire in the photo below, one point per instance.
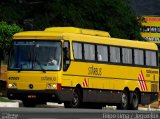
(124, 105)
(76, 101)
(27, 103)
(134, 101)
(67, 105)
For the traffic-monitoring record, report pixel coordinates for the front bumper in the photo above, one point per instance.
(41, 96)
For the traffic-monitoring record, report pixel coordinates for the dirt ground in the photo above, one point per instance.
(157, 103)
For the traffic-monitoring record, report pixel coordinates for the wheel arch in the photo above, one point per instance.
(128, 92)
(78, 86)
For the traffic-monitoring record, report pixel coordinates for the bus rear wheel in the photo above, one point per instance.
(134, 101)
(124, 101)
(76, 101)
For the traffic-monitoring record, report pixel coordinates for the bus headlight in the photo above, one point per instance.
(12, 85)
(51, 86)
(54, 86)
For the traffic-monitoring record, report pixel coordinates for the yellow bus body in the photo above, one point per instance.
(104, 77)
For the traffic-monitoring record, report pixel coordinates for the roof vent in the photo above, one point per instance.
(78, 31)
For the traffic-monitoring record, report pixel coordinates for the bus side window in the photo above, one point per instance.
(99, 57)
(66, 55)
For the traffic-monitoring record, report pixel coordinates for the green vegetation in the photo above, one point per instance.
(114, 16)
(2, 99)
(6, 33)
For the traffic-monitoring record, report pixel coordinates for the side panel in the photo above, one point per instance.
(103, 83)
(110, 77)
(101, 96)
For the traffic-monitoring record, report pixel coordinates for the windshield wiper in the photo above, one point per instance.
(19, 69)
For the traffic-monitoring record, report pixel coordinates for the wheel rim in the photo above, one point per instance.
(124, 100)
(75, 99)
(135, 100)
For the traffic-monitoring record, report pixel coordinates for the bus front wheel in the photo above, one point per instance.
(76, 101)
(27, 103)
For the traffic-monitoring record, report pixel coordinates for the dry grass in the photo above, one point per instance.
(157, 103)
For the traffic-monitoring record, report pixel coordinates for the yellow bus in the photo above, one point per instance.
(81, 68)
(150, 29)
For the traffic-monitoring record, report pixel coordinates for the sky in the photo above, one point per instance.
(146, 7)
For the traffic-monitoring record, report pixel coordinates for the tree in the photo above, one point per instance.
(6, 33)
(114, 16)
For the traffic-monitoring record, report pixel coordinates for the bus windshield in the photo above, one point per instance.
(35, 55)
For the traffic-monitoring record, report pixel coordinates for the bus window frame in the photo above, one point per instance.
(144, 64)
(82, 51)
(156, 58)
(120, 58)
(25, 40)
(112, 63)
(66, 57)
(99, 61)
(95, 54)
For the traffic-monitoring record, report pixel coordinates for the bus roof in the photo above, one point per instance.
(111, 41)
(36, 35)
(50, 35)
(78, 31)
